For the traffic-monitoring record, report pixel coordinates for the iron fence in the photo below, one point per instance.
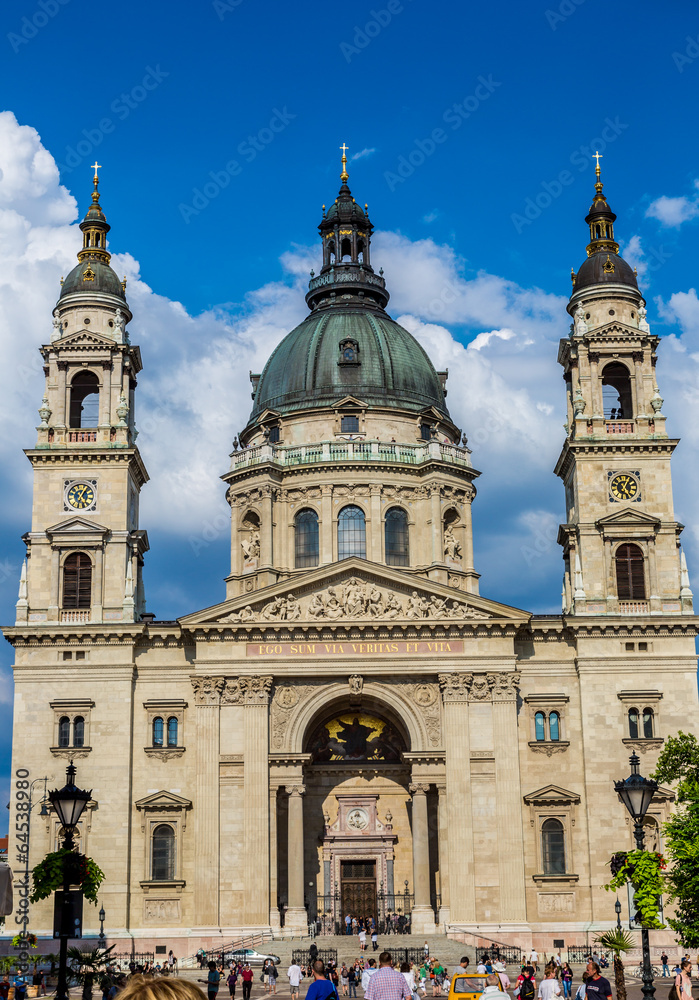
(301, 956)
(126, 958)
(578, 953)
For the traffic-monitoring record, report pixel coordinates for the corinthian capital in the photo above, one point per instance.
(455, 687)
(207, 690)
(256, 690)
(505, 685)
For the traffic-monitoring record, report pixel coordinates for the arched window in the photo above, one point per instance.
(172, 731)
(77, 581)
(306, 539)
(540, 726)
(346, 248)
(84, 400)
(64, 731)
(630, 575)
(616, 391)
(351, 533)
(554, 727)
(157, 732)
(396, 537)
(648, 723)
(163, 864)
(553, 847)
(633, 723)
(78, 731)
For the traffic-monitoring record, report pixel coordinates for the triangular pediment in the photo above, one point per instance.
(628, 517)
(551, 795)
(268, 415)
(355, 591)
(350, 403)
(163, 800)
(76, 525)
(614, 330)
(84, 338)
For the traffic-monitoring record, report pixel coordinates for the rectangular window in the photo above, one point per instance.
(349, 425)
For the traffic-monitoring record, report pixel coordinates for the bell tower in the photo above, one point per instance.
(85, 549)
(621, 541)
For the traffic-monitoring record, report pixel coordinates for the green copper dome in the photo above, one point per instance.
(348, 351)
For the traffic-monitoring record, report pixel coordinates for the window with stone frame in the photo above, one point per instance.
(630, 572)
(71, 726)
(552, 814)
(163, 828)
(547, 722)
(165, 721)
(642, 718)
(306, 539)
(351, 532)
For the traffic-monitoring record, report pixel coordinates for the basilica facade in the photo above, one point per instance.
(355, 727)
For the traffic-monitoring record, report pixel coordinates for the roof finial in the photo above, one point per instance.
(95, 180)
(598, 157)
(344, 176)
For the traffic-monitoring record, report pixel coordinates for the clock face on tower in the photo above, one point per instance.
(80, 496)
(623, 486)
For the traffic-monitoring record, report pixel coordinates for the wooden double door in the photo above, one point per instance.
(358, 888)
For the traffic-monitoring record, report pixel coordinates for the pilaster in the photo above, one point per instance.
(207, 699)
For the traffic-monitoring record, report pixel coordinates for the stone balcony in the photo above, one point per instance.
(332, 452)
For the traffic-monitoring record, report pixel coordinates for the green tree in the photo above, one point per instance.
(618, 942)
(679, 761)
(87, 966)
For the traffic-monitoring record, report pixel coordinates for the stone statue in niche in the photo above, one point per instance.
(452, 546)
(642, 321)
(580, 324)
(251, 545)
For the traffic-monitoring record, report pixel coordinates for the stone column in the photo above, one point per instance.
(274, 920)
(510, 822)
(254, 694)
(443, 915)
(422, 920)
(436, 518)
(296, 918)
(326, 526)
(266, 530)
(375, 546)
(207, 698)
(462, 885)
(105, 417)
(60, 417)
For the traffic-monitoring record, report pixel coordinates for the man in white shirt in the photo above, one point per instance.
(368, 973)
(481, 969)
(294, 973)
(534, 959)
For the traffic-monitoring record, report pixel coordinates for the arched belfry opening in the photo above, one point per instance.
(354, 812)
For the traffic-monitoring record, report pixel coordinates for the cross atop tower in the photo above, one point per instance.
(598, 157)
(96, 166)
(344, 175)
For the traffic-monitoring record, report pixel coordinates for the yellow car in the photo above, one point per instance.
(470, 986)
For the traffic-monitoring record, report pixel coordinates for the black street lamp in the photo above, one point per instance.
(102, 916)
(69, 803)
(636, 792)
(617, 910)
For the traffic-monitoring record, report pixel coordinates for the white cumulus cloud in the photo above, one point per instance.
(673, 211)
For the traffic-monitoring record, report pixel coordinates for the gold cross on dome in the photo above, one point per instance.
(96, 166)
(344, 149)
(344, 175)
(598, 157)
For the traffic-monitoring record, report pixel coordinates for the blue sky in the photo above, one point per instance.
(470, 130)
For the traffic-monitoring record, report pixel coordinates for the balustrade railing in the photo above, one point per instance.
(633, 607)
(350, 451)
(75, 616)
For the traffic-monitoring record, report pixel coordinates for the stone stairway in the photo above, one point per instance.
(447, 951)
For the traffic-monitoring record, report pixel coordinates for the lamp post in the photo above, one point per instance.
(69, 803)
(617, 910)
(636, 792)
(102, 916)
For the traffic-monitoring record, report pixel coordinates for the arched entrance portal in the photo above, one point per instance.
(356, 837)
